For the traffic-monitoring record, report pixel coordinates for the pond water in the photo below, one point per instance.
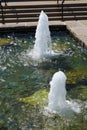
(24, 84)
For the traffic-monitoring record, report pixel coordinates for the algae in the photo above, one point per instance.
(60, 47)
(5, 41)
(38, 98)
(76, 75)
(80, 93)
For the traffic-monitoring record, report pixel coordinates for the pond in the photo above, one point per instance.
(24, 85)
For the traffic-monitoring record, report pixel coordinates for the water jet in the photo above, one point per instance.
(43, 45)
(57, 102)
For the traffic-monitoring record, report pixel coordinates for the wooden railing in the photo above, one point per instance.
(60, 10)
(26, 13)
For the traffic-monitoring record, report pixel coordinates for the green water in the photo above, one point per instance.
(24, 86)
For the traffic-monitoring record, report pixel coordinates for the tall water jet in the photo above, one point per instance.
(43, 44)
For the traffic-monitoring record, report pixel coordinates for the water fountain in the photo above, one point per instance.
(43, 44)
(21, 80)
(57, 102)
(57, 94)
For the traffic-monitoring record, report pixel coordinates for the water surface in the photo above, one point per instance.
(22, 78)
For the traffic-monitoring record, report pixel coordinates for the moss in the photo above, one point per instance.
(1, 123)
(38, 98)
(76, 75)
(80, 92)
(4, 41)
(60, 47)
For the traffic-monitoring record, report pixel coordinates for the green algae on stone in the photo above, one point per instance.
(82, 92)
(38, 98)
(4, 41)
(60, 47)
(76, 74)
(79, 92)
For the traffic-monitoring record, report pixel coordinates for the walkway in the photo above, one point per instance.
(79, 31)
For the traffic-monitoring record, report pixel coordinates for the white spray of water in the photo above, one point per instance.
(57, 102)
(43, 44)
(42, 49)
(57, 94)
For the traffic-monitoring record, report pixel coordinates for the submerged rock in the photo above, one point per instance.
(4, 41)
(38, 98)
(76, 75)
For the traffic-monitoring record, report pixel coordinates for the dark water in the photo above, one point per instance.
(21, 78)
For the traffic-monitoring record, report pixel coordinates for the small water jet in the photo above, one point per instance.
(57, 94)
(57, 102)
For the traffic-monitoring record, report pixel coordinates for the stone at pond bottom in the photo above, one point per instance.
(38, 98)
(4, 41)
(76, 75)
